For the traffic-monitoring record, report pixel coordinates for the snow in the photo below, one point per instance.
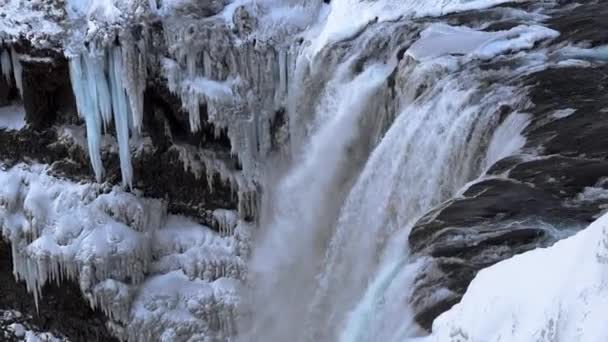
(555, 294)
(37, 21)
(348, 17)
(12, 117)
(124, 251)
(599, 53)
(59, 229)
(442, 39)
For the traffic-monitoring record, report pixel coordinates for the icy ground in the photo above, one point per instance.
(152, 274)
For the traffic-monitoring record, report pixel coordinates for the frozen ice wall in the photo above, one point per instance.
(151, 274)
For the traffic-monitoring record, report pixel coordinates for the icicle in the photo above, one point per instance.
(134, 80)
(121, 115)
(86, 104)
(105, 88)
(98, 88)
(17, 71)
(6, 65)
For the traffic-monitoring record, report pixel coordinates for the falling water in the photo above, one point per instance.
(377, 143)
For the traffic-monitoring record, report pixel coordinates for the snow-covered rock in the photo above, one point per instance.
(557, 294)
(125, 254)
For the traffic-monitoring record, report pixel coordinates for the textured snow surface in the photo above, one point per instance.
(151, 274)
(555, 294)
(441, 39)
(36, 20)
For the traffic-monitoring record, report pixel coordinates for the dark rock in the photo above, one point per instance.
(47, 93)
(584, 22)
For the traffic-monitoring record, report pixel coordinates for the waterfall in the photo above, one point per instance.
(306, 201)
(378, 140)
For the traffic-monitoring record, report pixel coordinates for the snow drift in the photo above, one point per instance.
(557, 294)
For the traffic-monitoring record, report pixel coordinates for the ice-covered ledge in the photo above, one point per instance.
(122, 250)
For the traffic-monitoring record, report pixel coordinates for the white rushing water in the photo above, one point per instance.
(332, 260)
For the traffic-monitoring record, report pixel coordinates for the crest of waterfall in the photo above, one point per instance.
(108, 86)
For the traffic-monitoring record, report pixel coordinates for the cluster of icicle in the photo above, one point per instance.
(125, 254)
(10, 68)
(108, 85)
(196, 161)
(241, 84)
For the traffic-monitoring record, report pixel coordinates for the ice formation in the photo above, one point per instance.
(107, 88)
(240, 84)
(123, 251)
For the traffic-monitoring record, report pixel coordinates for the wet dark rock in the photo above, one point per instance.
(584, 23)
(62, 310)
(525, 203)
(47, 93)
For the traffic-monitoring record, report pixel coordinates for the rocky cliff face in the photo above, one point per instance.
(163, 129)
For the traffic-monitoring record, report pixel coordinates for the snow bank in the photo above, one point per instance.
(557, 294)
(442, 39)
